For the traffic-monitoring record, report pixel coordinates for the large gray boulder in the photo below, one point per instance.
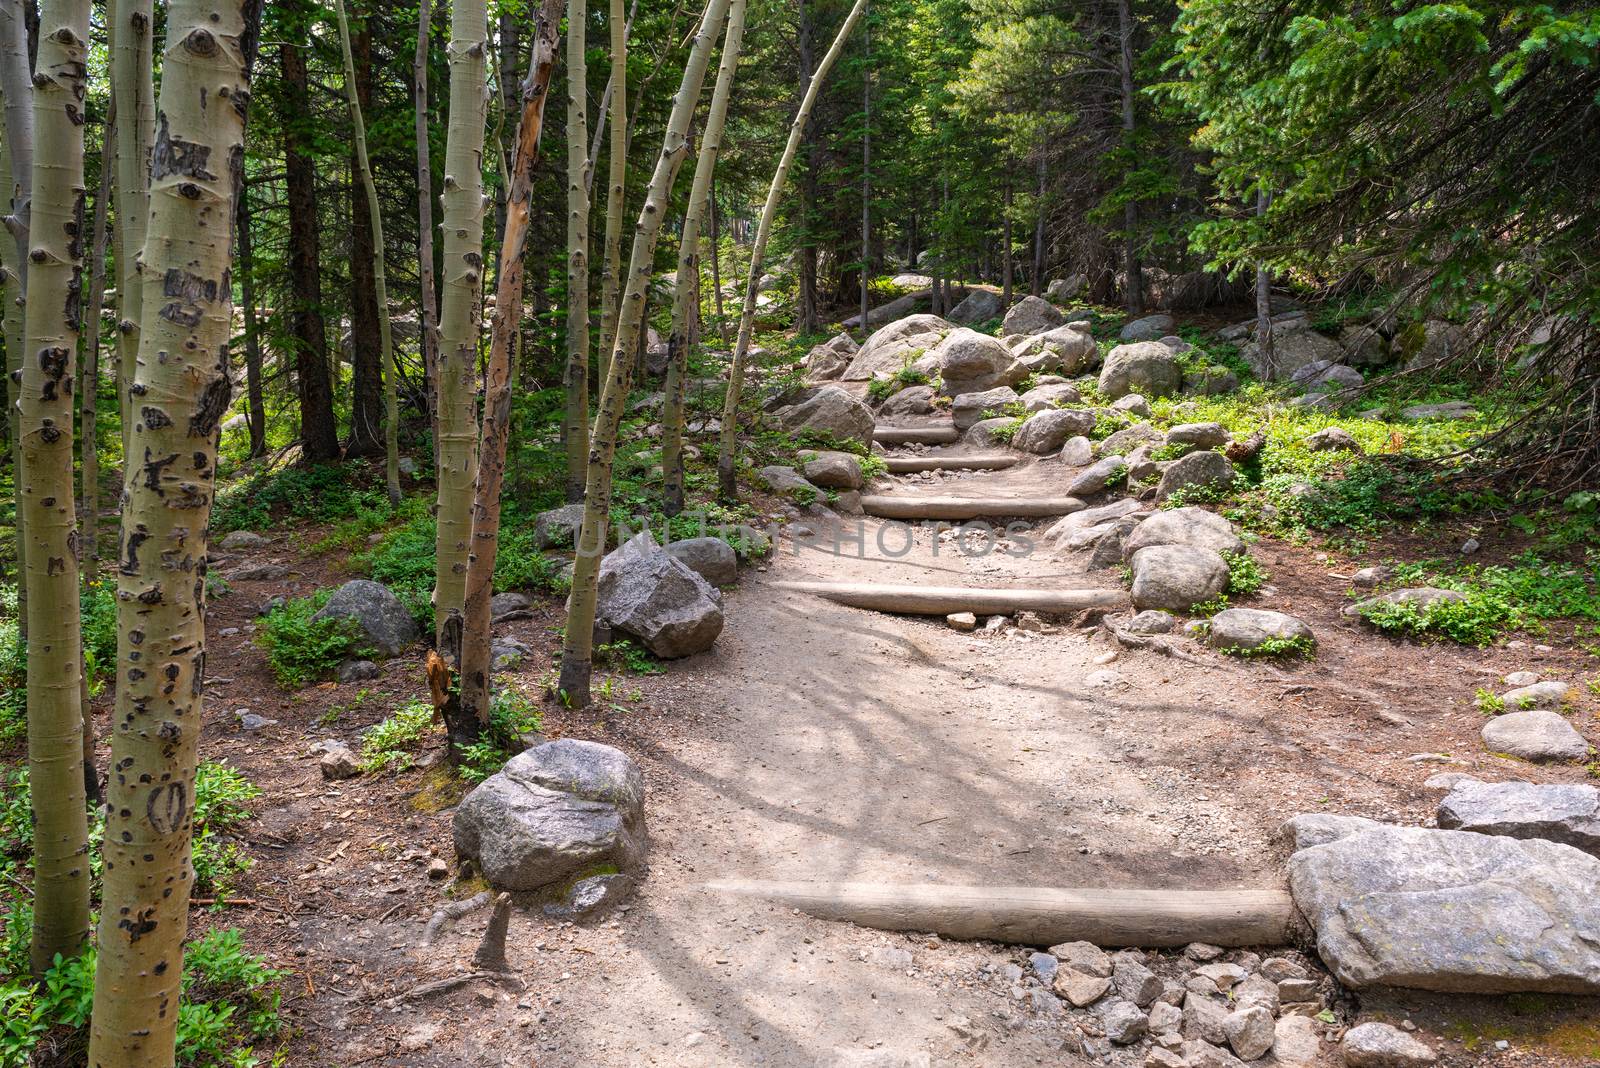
(1063, 290)
(1175, 578)
(994, 431)
(1378, 1045)
(1326, 376)
(1150, 328)
(1204, 468)
(646, 592)
(831, 470)
(1431, 343)
(1451, 911)
(832, 409)
(383, 621)
(1248, 629)
(787, 482)
(1186, 526)
(1291, 351)
(1031, 315)
(558, 528)
(711, 558)
(897, 308)
(1199, 435)
(970, 362)
(830, 359)
(892, 347)
(913, 400)
(1065, 350)
(1146, 367)
(1054, 395)
(1364, 346)
(1130, 438)
(1046, 432)
(979, 307)
(240, 540)
(1104, 472)
(1536, 735)
(1564, 812)
(968, 408)
(553, 812)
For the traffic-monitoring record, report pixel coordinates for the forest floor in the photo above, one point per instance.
(822, 742)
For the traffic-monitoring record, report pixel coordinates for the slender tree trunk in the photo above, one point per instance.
(16, 86)
(256, 410)
(729, 439)
(610, 283)
(132, 61)
(577, 650)
(1130, 211)
(52, 323)
(458, 319)
(366, 345)
(605, 104)
(380, 286)
(866, 169)
(472, 713)
(509, 53)
(429, 325)
(575, 423)
(89, 394)
(1006, 270)
(716, 264)
(1264, 338)
(318, 430)
(1037, 280)
(806, 313)
(161, 568)
(686, 298)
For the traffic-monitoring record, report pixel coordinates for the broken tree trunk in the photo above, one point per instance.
(942, 600)
(1043, 916)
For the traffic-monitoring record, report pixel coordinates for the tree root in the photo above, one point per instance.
(449, 912)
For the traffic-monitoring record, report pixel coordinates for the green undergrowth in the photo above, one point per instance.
(1283, 648)
(391, 744)
(1525, 595)
(323, 493)
(302, 648)
(511, 715)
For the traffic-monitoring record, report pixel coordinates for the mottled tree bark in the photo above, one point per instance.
(16, 86)
(132, 86)
(429, 325)
(52, 321)
(1264, 339)
(182, 388)
(727, 452)
(255, 404)
(472, 713)
(577, 651)
(686, 295)
(611, 264)
(575, 375)
(89, 393)
(366, 366)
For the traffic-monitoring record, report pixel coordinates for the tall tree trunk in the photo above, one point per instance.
(429, 325)
(183, 377)
(358, 82)
(806, 313)
(318, 431)
(686, 297)
(256, 411)
(52, 323)
(866, 169)
(1264, 338)
(89, 393)
(16, 86)
(728, 442)
(605, 105)
(716, 264)
(1037, 279)
(610, 283)
(1006, 270)
(575, 376)
(1130, 211)
(132, 62)
(577, 649)
(366, 345)
(458, 319)
(472, 713)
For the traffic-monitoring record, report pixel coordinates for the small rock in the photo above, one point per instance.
(1153, 621)
(1133, 404)
(1368, 577)
(1164, 1018)
(1279, 968)
(1135, 982)
(1200, 435)
(1377, 1045)
(1098, 476)
(558, 528)
(1203, 1017)
(591, 897)
(504, 604)
(1084, 957)
(1225, 975)
(251, 722)
(1257, 990)
(961, 621)
(1568, 813)
(1202, 951)
(1077, 452)
(357, 671)
(1417, 597)
(1123, 1021)
(237, 540)
(1535, 735)
(711, 558)
(1248, 629)
(1469, 546)
(1206, 1055)
(1546, 695)
(1293, 990)
(1333, 439)
(1043, 965)
(1519, 679)
(1079, 989)
(1202, 469)
(1250, 1032)
(259, 573)
(1295, 1043)
(438, 869)
(1164, 1058)
(1446, 780)
(338, 762)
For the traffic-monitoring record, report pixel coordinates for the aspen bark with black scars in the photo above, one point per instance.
(425, 278)
(89, 393)
(133, 87)
(52, 321)
(16, 89)
(464, 205)
(686, 295)
(727, 450)
(466, 720)
(610, 282)
(577, 651)
(182, 389)
(575, 375)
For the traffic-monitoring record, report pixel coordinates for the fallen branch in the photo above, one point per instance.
(449, 912)
(439, 986)
(1043, 916)
(942, 600)
(1152, 643)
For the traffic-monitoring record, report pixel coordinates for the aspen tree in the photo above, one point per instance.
(464, 205)
(473, 712)
(182, 389)
(89, 394)
(610, 283)
(49, 516)
(16, 86)
(575, 422)
(686, 296)
(727, 484)
(133, 87)
(577, 650)
(379, 279)
(425, 281)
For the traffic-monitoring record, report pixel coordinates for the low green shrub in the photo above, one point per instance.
(1300, 646)
(302, 648)
(389, 745)
(1245, 575)
(511, 715)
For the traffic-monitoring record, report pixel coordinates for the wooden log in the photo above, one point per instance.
(942, 600)
(907, 506)
(899, 465)
(1043, 916)
(916, 435)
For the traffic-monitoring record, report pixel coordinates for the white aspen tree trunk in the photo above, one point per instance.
(89, 394)
(472, 711)
(429, 312)
(866, 172)
(16, 87)
(605, 104)
(182, 389)
(727, 483)
(1134, 269)
(464, 206)
(610, 282)
(52, 321)
(686, 295)
(577, 649)
(391, 410)
(575, 376)
(133, 86)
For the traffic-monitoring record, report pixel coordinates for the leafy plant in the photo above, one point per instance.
(1489, 702)
(302, 648)
(511, 715)
(1299, 646)
(388, 745)
(630, 655)
(1245, 576)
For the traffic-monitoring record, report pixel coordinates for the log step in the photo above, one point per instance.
(1043, 916)
(916, 435)
(902, 465)
(910, 506)
(943, 600)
